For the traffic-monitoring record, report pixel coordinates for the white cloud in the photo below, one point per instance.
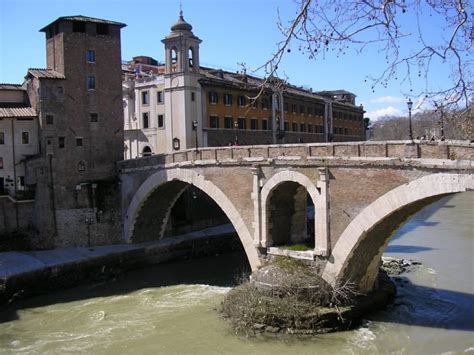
(387, 111)
(388, 100)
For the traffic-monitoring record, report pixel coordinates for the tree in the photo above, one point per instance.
(400, 29)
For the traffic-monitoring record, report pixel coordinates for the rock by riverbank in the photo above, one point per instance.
(395, 266)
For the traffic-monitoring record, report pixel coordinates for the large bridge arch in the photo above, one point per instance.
(357, 253)
(320, 220)
(186, 177)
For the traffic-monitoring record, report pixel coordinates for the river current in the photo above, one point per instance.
(171, 308)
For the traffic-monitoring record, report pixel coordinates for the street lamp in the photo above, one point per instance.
(410, 105)
(195, 127)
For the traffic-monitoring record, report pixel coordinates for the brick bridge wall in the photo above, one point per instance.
(343, 179)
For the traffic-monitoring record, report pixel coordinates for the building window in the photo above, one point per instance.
(174, 56)
(146, 152)
(102, 29)
(310, 128)
(79, 142)
(293, 108)
(90, 82)
(191, 57)
(228, 122)
(20, 183)
(264, 125)
(60, 90)
(227, 99)
(241, 101)
(265, 104)
(302, 127)
(254, 104)
(310, 110)
(294, 127)
(285, 106)
(242, 123)
(81, 166)
(90, 56)
(145, 97)
(301, 109)
(78, 26)
(1, 162)
(25, 137)
(159, 97)
(253, 124)
(193, 96)
(286, 126)
(161, 121)
(214, 121)
(2, 137)
(49, 119)
(61, 142)
(146, 120)
(94, 117)
(213, 98)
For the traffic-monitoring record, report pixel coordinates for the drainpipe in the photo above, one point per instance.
(14, 174)
(52, 197)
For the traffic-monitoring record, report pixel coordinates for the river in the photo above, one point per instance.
(171, 308)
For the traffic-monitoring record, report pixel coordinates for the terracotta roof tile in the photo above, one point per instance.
(45, 73)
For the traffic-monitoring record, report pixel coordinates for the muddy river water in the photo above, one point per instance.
(171, 309)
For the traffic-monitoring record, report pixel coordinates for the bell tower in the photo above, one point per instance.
(183, 112)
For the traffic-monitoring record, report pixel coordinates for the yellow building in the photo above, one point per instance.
(178, 104)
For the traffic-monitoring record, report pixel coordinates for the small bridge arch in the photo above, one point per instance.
(357, 253)
(317, 196)
(182, 178)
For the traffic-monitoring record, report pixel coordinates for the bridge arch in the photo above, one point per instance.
(356, 255)
(290, 176)
(184, 178)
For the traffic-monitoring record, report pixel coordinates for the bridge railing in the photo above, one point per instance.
(453, 150)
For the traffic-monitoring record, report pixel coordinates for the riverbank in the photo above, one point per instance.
(29, 273)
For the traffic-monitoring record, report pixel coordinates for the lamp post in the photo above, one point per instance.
(195, 129)
(410, 106)
(236, 126)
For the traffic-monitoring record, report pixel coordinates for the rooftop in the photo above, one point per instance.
(81, 18)
(16, 111)
(18, 87)
(45, 73)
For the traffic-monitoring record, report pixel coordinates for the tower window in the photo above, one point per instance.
(79, 142)
(174, 56)
(146, 120)
(90, 56)
(191, 57)
(49, 119)
(94, 117)
(61, 142)
(90, 82)
(1, 162)
(78, 26)
(193, 96)
(102, 29)
(146, 152)
(161, 121)
(81, 166)
(25, 137)
(2, 137)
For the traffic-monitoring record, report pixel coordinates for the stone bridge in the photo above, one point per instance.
(361, 193)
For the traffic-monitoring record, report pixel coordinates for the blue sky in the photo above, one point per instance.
(232, 31)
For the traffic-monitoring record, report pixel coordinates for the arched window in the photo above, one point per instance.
(146, 152)
(174, 56)
(191, 57)
(81, 166)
